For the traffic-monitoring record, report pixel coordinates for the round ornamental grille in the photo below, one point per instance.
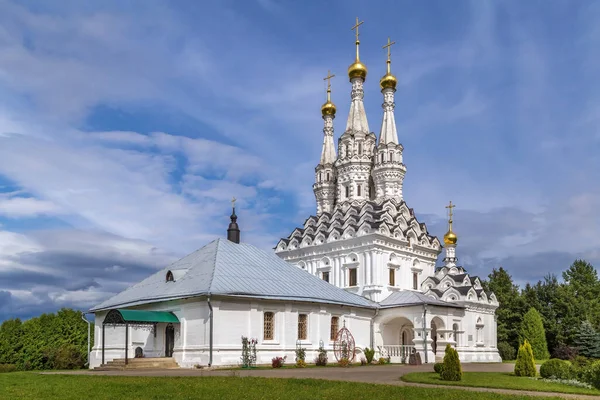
(343, 347)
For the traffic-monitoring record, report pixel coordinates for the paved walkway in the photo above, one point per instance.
(384, 374)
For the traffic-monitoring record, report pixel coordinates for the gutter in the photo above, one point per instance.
(210, 340)
(373, 328)
(88, 342)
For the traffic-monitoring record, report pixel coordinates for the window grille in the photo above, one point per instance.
(302, 326)
(269, 326)
(335, 324)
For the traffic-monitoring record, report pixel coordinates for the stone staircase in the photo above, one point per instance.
(118, 364)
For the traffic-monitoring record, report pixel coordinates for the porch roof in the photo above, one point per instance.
(122, 316)
(405, 298)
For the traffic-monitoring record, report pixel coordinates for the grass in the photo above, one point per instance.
(23, 385)
(498, 380)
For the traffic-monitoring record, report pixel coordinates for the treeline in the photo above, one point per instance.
(50, 341)
(569, 311)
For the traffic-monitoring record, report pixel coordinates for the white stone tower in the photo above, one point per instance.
(325, 174)
(356, 145)
(389, 169)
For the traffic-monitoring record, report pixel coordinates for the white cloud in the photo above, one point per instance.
(19, 207)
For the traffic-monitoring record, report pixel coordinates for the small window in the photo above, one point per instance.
(170, 277)
(360, 149)
(358, 190)
(269, 326)
(352, 281)
(347, 191)
(392, 275)
(325, 276)
(328, 177)
(302, 326)
(335, 324)
(415, 280)
(391, 156)
(347, 150)
(382, 156)
(320, 177)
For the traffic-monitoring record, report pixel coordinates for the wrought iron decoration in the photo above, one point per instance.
(344, 346)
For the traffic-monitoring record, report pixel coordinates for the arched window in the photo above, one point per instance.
(391, 156)
(170, 277)
(320, 177)
(479, 332)
(328, 177)
(268, 326)
(455, 329)
(335, 327)
(360, 149)
(382, 157)
(358, 190)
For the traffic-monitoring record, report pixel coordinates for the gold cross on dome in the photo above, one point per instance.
(328, 79)
(388, 46)
(450, 207)
(356, 27)
(233, 202)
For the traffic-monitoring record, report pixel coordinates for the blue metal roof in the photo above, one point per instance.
(229, 269)
(405, 298)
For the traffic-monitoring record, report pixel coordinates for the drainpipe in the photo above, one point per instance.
(373, 328)
(425, 330)
(210, 340)
(88, 347)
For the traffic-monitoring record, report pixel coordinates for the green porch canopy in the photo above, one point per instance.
(139, 317)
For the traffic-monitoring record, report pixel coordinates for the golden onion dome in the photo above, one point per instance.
(450, 237)
(357, 70)
(328, 108)
(388, 81)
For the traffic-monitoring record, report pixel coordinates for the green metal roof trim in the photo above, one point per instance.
(148, 316)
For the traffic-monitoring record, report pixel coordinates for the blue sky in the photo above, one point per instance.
(126, 127)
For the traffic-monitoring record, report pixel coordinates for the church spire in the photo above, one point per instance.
(324, 186)
(357, 72)
(450, 240)
(233, 232)
(328, 111)
(388, 83)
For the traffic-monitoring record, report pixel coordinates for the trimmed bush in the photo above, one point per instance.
(507, 352)
(438, 367)
(321, 359)
(525, 365)
(591, 374)
(344, 362)
(300, 364)
(277, 362)
(7, 368)
(532, 330)
(452, 370)
(558, 369)
(381, 361)
(369, 354)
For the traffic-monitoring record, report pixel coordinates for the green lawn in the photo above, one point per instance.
(500, 380)
(75, 387)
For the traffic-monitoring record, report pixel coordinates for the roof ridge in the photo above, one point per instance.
(212, 275)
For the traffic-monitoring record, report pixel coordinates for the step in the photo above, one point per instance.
(138, 363)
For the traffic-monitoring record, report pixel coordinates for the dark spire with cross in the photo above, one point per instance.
(233, 232)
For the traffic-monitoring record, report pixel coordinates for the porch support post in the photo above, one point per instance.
(126, 340)
(103, 331)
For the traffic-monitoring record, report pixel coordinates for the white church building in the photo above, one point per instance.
(363, 262)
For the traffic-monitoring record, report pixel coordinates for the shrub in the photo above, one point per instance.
(381, 361)
(344, 362)
(300, 354)
(591, 374)
(438, 367)
(7, 368)
(67, 356)
(363, 361)
(452, 370)
(532, 330)
(525, 365)
(369, 354)
(248, 357)
(300, 364)
(277, 362)
(557, 369)
(564, 352)
(321, 359)
(507, 352)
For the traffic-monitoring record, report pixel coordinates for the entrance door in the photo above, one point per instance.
(169, 340)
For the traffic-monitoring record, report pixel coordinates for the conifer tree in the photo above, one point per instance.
(588, 340)
(525, 364)
(532, 331)
(452, 370)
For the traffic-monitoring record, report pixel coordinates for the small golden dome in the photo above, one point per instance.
(388, 81)
(357, 70)
(450, 238)
(328, 108)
